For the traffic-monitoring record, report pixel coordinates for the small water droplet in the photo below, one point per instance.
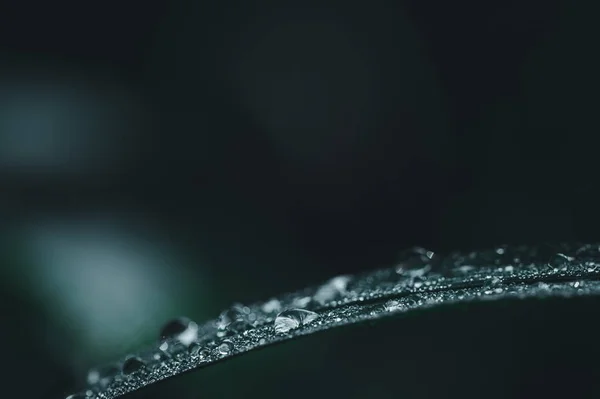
(199, 351)
(414, 258)
(132, 364)
(160, 356)
(293, 318)
(271, 306)
(491, 281)
(225, 348)
(331, 290)
(509, 269)
(393, 305)
(103, 375)
(233, 320)
(172, 348)
(262, 341)
(181, 329)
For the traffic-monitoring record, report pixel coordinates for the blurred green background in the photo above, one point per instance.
(169, 158)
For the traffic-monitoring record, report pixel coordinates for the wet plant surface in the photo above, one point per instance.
(421, 280)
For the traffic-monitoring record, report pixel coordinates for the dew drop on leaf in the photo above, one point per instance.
(225, 348)
(181, 329)
(233, 320)
(132, 364)
(559, 260)
(172, 347)
(292, 319)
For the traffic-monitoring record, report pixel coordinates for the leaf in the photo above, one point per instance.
(421, 280)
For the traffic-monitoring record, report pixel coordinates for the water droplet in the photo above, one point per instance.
(160, 356)
(491, 281)
(172, 348)
(199, 351)
(393, 305)
(79, 395)
(293, 318)
(331, 290)
(102, 376)
(262, 341)
(225, 348)
(132, 364)
(181, 329)
(559, 260)
(233, 320)
(414, 258)
(271, 306)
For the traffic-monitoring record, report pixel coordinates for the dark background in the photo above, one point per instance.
(173, 157)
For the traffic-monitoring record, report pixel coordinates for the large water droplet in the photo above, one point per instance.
(182, 329)
(132, 364)
(333, 289)
(293, 318)
(102, 375)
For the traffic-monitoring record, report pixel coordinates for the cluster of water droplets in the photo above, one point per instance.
(421, 279)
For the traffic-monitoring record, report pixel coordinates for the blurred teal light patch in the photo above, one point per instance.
(108, 285)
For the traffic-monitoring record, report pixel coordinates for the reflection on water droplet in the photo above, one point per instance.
(293, 318)
(393, 305)
(233, 320)
(225, 348)
(331, 290)
(172, 348)
(199, 351)
(102, 376)
(414, 258)
(491, 281)
(132, 364)
(160, 356)
(559, 260)
(181, 329)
